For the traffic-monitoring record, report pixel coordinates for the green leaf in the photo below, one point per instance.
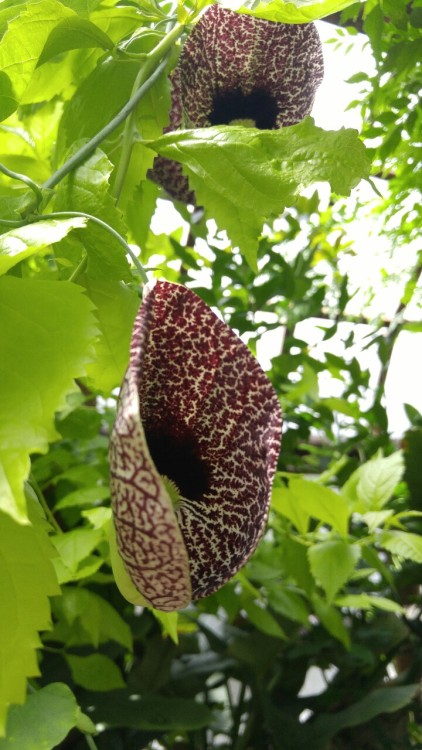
(76, 545)
(116, 308)
(102, 93)
(21, 47)
(44, 721)
(150, 712)
(288, 603)
(263, 620)
(99, 518)
(402, 543)
(380, 701)
(27, 579)
(46, 331)
(307, 386)
(367, 601)
(331, 619)
(87, 189)
(169, 623)
(332, 564)
(74, 33)
(243, 176)
(82, 610)
(95, 672)
(299, 11)
(153, 110)
(296, 564)
(375, 519)
(371, 486)
(284, 501)
(8, 101)
(25, 241)
(302, 499)
(341, 405)
(83, 497)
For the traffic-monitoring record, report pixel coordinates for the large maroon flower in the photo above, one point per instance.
(236, 67)
(193, 450)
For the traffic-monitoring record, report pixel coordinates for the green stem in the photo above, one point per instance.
(90, 742)
(79, 270)
(104, 225)
(43, 502)
(392, 334)
(153, 68)
(23, 178)
(242, 741)
(151, 60)
(237, 712)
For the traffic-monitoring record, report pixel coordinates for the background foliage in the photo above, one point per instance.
(335, 583)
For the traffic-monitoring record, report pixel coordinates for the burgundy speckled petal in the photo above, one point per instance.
(233, 65)
(196, 407)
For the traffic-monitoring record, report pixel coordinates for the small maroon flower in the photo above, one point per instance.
(237, 68)
(193, 451)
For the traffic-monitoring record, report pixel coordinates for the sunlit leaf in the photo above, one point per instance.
(21, 47)
(298, 11)
(243, 176)
(116, 307)
(367, 601)
(402, 543)
(302, 499)
(87, 190)
(375, 519)
(73, 33)
(45, 336)
(75, 545)
(25, 241)
(371, 486)
(27, 579)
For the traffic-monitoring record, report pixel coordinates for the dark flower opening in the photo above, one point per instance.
(258, 106)
(176, 457)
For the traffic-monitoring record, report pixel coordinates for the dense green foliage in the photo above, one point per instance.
(335, 582)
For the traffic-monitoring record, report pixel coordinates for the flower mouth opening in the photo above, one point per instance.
(259, 106)
(176, 457)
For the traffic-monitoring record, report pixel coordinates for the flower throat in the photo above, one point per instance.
(232, 107)
(176, 457)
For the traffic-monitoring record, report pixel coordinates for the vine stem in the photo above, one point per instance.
(151, 70)
(23, 178)
(43, 502)
(144, 75)
(90, 742)
(79, 270)
(104, 225)
(393, 331)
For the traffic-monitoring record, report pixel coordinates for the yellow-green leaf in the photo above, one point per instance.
(45, 337)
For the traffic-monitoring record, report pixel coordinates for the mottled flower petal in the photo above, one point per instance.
(197, 408)
(236, 67)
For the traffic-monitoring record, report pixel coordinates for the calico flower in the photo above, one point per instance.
(235, 69)
(193, 451)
